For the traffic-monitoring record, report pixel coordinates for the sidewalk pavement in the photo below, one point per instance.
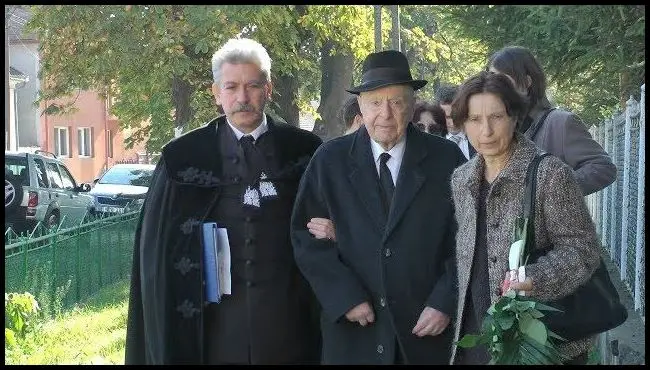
(630, 335)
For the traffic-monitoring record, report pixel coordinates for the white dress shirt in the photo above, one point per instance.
(461, 141)
(262, 128)
(396, 155)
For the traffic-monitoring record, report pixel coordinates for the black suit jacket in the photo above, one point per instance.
(399, 265)
(167, 304)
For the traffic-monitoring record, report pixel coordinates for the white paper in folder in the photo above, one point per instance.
(223, 259)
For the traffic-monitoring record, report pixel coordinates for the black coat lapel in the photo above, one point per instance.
(364, 179)
(410, 177)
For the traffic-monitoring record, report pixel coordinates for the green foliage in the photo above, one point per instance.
(335, 22)
(437, 49)
(514, 335)
(593, 55)
(21, 313)
(94, 332)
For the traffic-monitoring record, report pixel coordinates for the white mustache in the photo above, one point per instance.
(245, 108)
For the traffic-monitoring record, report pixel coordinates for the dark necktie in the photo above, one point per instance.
(386, 181)
(247, 145)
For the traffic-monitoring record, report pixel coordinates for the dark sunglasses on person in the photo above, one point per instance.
(432, 129)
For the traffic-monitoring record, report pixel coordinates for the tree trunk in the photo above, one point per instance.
(624, 89)
(181, 92)
(378, 41)
(285, 86)
(395, 34)
(336, 77)
(284, 96)
(181, 89)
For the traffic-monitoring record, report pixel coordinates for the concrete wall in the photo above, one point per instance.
(23, 55)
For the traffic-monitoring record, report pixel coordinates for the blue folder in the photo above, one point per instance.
(210, 265)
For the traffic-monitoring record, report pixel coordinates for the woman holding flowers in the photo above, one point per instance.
(488, 192)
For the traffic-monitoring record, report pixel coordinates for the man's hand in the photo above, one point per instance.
(322, 228)
(431, 322)
(362, 313)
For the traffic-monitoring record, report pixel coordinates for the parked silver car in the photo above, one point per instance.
(121, 188)
(39, 187)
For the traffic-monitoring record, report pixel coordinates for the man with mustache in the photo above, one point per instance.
(240, 170)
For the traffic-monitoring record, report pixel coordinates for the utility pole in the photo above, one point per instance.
(378, 41)
(395, 34)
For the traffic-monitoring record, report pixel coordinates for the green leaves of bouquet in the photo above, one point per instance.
(514, 335)
(511, 330)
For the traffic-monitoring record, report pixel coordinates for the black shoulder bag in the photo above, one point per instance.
(594, 307)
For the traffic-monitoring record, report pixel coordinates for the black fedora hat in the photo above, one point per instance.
(385, 68)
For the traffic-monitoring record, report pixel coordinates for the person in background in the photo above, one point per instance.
(241, 170)
(444, 96)
(487, 194)
(561, 133)
(351, 115)
(385, 278)
(430, 118)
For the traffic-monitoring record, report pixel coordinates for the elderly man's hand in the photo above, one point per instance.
(362, 313)
(431, 322)
(322, 228)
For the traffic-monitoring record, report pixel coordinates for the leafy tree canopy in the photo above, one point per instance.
(593, 55)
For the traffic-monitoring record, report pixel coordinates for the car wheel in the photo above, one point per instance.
(13, 193)
(90, 216)
(52, 219)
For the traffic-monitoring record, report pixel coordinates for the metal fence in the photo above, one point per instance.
(619, 209)
(65, 267)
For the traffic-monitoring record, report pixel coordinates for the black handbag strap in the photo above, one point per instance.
(528, 207)
(535, 127)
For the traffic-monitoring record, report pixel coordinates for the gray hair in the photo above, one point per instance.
(239, 51)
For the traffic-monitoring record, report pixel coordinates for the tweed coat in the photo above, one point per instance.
(565, 136)
(561, 219)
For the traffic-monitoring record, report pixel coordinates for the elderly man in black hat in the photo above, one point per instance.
(385, 278)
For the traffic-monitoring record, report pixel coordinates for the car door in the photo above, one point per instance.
(44, 192)
(78, 204)
(59, 193)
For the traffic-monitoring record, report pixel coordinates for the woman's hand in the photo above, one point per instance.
(322, 228)
(526, 285)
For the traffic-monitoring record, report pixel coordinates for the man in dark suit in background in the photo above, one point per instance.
(444, 97)
(385, 280)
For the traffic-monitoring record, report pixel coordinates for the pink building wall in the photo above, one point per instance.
(92, 113)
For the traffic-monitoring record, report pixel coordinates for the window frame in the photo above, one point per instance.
(109, 144)
(85, 142)
(57, 141)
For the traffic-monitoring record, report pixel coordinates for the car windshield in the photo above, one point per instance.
(127, 176)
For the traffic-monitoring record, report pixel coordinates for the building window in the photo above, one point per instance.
(85, 141)
(61, 142)
(109, 144)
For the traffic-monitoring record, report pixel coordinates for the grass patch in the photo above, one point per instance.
(92, 333)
